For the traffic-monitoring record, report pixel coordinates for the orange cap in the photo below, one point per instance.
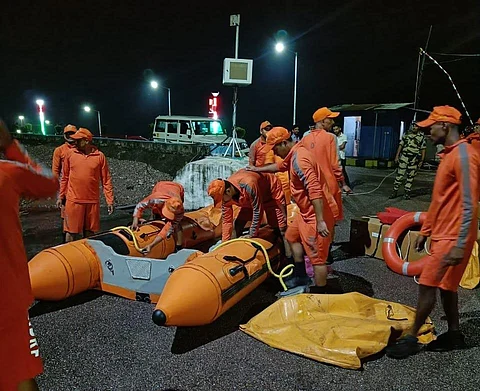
(264, 124)
(442, 114)
(172, 208)
(69, 128)
(82, 133)
(275, 136)
(324, 112)
(216, 189)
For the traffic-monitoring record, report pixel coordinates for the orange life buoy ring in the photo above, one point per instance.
(389, 246)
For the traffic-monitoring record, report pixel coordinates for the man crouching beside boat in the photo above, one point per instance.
(166, 202)
(254, 193)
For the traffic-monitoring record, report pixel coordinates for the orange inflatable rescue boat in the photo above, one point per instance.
(209, 284)
(111, 261)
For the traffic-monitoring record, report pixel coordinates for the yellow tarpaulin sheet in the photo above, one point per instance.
(334, 329)
(471, 276)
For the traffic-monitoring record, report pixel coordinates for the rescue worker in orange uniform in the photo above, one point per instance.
(452, 226)
(20, 177)
(254, 193)
(61, 152)
(165, 201)
(323, 145)
(312, 227)
(59, 155)
(83, 171)
(258, 158)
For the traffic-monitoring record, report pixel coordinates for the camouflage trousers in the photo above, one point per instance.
(407, 165)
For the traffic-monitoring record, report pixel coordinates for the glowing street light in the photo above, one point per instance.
(88, 109)
(279, 48)
(47, 122)
(154, 84)
(40, 103)
(21, 118)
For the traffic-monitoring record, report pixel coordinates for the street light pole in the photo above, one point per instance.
(295, 91)
(99, 123)
(154, 84)
(169, 103)
(88, 109)
(280, 47)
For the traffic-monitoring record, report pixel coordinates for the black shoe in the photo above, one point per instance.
(318, 289)
(404, 347)
(393, 195)
(329, 260)
(407, 196)
(451, 340)
(295, 281)
(331, 274)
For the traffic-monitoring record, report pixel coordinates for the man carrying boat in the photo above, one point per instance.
(452, 226)
(20, 176)
(254, 193)
(165, 202)
(312, 227)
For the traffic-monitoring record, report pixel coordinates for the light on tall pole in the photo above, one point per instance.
(154, 84)
(21, 118)
(279, 48)
(40, 103)
(88, 109)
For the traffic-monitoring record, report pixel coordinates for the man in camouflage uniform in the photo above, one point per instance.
(410, 157)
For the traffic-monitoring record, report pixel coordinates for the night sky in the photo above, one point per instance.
(105, 52)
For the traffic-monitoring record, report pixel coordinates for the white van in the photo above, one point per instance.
(194, 130)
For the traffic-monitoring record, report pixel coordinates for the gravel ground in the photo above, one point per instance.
(132, 181)
(96, 341)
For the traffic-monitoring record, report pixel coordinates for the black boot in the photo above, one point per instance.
(393, 195)
(451, 340)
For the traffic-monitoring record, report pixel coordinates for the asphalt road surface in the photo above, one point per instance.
(96, 341)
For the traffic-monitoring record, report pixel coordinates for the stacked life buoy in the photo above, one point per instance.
(389, 246)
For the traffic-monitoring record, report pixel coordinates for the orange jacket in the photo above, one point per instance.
(257, 191)
(323, 146)
(474, 140)
(19, 177)
(81, 178)
(307, 182)
(257, 157)
(161, 192)
(452, 214)
(59, 155)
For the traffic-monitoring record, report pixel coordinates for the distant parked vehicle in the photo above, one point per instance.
(194, 130)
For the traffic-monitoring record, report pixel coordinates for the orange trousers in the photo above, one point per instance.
(305, 231)
(436, 274)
